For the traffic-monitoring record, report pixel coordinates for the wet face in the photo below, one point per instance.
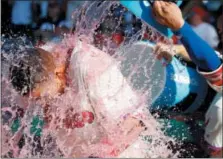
(52, 80)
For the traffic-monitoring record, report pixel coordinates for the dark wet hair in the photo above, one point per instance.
(25, 70)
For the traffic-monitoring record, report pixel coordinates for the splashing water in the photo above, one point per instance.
(103, 85)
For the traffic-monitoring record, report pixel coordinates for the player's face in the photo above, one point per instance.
(52, 81)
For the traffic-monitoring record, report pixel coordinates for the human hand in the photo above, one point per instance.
(165, 52)
(168, 14)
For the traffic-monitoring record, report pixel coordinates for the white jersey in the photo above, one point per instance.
(104, 91)
(208, 33)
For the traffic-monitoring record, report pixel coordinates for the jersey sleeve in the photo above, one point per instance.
(213, 78)
(199, 51)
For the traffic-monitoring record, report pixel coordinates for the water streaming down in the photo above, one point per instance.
(104, 83)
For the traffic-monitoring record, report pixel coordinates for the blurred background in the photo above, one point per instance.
(43, 21)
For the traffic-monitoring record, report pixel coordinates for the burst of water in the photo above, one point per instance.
(102, 90)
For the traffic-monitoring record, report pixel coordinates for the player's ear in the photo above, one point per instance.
(60, 71)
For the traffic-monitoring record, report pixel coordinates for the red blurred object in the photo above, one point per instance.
(117, 38)
(68, 123)
(175, 39)
(88, 117)
(200, 11)
(146, 36)
(78, 121)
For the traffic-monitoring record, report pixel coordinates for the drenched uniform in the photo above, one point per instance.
(114, 118)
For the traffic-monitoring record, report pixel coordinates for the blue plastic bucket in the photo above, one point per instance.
(181, 81)
(166, 86)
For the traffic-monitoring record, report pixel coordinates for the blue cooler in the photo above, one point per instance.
(166, 86)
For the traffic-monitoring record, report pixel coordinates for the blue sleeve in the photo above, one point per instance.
(199, 51)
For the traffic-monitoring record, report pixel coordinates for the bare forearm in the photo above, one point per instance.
(181, 51)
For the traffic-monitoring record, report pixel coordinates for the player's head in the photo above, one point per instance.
(198, 15)
(33, 72)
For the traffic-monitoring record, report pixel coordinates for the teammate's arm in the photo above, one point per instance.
(199, 51)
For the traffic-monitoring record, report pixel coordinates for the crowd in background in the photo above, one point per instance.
(203, 20)
(40, 20)
(47, 20)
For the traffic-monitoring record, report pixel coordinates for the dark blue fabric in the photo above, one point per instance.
(199, 51)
